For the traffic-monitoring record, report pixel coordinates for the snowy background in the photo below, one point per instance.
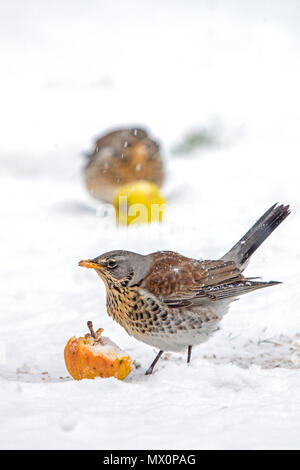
(70, 70)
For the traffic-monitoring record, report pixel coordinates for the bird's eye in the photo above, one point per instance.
(112, 263)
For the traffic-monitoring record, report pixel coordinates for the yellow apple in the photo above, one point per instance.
(139, 202)
(93, 356)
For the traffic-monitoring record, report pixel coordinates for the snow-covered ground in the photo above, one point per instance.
(69, 71)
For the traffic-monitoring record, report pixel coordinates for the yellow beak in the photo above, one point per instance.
(87, 263)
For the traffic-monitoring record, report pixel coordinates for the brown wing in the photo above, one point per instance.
(182, 281)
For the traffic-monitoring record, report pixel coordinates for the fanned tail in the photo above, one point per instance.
(248, 244)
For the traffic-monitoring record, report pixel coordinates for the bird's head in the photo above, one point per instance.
(119, 267)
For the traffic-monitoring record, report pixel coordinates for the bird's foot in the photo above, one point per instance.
(189, 354)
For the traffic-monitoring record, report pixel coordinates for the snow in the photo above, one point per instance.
(107, 348)
(69, 73)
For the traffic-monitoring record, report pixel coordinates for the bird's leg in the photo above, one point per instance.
(150, 369)
(189, 354)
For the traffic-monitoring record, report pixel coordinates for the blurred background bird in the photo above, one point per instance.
(121, 157)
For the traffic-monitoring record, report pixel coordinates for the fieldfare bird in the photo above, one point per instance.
(121, 157)
(173, 302)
